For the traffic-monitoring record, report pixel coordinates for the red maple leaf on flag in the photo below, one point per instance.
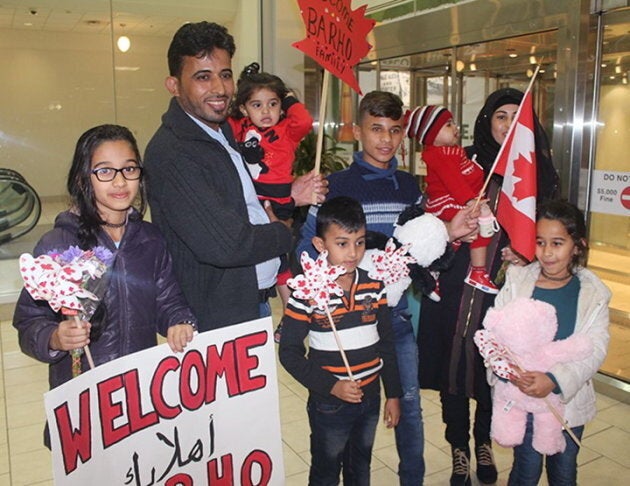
(516, 210)
(335, 36)
(522, 182)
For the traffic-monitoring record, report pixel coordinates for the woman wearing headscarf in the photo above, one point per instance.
(449, 360)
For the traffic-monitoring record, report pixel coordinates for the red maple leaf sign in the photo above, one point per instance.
(525, 177)
(335, 36)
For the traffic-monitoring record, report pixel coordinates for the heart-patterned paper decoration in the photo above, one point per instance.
(317, 282)
(495, 354)
(59, 285)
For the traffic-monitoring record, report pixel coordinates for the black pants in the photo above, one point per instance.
(456, 416)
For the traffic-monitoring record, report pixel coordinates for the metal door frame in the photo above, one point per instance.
(488, 20)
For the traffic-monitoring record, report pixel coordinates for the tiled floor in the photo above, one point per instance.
(604, 459)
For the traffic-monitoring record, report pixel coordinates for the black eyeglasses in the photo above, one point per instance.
(108, 174)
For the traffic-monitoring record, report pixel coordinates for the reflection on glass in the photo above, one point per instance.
(610, 188)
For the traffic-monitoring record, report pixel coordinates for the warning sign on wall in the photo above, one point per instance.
(610, 192)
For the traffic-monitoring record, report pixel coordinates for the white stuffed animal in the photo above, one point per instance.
(420, 245)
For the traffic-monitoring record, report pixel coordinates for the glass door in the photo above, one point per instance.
(609, 216)
(461, 78)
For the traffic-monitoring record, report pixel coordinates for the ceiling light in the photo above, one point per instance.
(513, 55)
(618, 69)
(532, 59)
(123, 43)
(459, 65)
(529, 73)
(473, 66)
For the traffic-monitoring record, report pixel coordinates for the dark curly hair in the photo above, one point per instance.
(79, 183)
(252, 80)
(197, 40)
(572, 218)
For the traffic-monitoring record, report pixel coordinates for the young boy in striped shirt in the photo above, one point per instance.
(343, 413)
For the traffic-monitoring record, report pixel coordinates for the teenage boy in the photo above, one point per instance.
(343, 412)
(384, 191)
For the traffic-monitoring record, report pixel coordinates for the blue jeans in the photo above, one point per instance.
(265, 309)
(561, 467)
(410, 429)
(342, 435)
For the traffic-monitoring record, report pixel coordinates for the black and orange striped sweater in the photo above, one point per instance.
(363, 322)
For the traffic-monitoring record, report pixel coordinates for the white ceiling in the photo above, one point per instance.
(140, 17)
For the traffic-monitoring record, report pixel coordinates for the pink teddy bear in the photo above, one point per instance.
(520, 336)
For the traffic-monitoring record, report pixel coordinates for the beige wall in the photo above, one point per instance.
(53, 87)
(56, 85)
(284, 27)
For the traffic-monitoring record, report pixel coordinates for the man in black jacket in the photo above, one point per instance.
(225, 245)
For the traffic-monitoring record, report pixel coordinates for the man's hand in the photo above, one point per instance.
(305, 186)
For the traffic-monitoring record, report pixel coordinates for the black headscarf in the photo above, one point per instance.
(487, 148)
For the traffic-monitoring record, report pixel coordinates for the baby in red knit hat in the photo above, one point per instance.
(453, 181)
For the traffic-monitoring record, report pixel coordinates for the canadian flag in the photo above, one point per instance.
(516, 162)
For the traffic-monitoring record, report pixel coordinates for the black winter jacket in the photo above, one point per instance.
(143, 297)
(197, 201)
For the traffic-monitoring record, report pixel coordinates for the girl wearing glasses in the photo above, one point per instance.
(142, 295)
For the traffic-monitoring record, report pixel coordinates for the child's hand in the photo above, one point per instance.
(391, 412)
(272, 216)
(269, 210)
(178, 336)
(348, 391)
(70, 335)
(534, 384)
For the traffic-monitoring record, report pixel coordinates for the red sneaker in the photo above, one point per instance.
(479, 279)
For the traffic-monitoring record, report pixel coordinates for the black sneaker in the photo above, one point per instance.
(461, 467)
(486, 467)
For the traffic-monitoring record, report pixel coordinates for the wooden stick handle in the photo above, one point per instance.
(341, 350)
(86, 348)
(550, 406)
(511, 129)
(562, 421)
(321, 126)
